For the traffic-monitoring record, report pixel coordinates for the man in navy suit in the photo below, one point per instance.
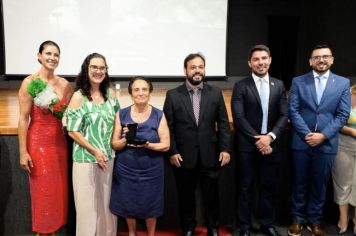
(200, 143)
(260, 113)
(319, 105)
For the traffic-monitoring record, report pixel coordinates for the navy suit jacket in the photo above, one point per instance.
(328, 117)
(247, 112)
(192, 141)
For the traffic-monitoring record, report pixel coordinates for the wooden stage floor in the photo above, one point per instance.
(9, 106)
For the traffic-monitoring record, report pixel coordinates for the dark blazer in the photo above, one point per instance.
(209, 138)
(247, 112)
(330, 115)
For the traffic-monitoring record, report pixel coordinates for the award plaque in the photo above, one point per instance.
(131, 135)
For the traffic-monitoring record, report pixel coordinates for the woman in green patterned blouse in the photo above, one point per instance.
(90, 119)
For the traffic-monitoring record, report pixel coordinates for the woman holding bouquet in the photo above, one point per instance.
(43, 97)
(90, 121)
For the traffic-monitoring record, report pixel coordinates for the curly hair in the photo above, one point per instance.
(82, 81)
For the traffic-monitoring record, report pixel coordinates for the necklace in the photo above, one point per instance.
(140, 116)
(96, 96)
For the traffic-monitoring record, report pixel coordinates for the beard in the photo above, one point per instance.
(193, 81)
(321, 67)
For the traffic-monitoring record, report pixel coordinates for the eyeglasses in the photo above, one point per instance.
(96, 68)
(324, 57)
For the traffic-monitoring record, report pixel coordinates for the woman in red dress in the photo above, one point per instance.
(43, 97)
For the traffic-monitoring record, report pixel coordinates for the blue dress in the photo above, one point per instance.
(137, 187)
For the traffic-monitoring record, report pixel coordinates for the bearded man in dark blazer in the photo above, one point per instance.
(200, 143)
(260, 113)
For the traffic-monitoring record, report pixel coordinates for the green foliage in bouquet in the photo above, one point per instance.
(36, 86)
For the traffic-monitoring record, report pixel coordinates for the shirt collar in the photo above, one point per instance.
(324, 76)
(264, 78)
(190, 88)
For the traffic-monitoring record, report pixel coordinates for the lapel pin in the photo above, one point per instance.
(272, 83)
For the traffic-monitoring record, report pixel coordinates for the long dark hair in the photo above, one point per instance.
(82, 81)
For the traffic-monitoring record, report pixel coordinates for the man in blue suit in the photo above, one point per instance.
(319, 105)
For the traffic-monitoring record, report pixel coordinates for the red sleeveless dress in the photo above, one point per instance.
(47, 147)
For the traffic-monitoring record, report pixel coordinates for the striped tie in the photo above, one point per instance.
(196, 105)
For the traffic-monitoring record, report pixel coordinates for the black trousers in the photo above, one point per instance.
(186, 180)
(263, 170)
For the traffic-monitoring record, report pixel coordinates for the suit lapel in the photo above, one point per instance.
(253, 88)
(310, 83)
(204, 101)
(185, 97)
(272, 90)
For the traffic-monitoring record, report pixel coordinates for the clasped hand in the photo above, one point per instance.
(314, 139)
(263, 144)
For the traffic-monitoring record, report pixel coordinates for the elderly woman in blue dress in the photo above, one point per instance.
(137, 187)
(344, 169)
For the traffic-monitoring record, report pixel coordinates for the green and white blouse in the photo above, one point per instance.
(95, 122)
(352, 119)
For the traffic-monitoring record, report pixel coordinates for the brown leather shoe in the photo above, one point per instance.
(316, 230)
(295, 229)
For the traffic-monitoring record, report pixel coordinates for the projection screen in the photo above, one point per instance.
(137, 37)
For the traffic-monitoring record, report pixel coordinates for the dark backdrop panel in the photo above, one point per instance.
(253, 22)
(15, 203)
(2, 46)
(330, 22)
(282, 41)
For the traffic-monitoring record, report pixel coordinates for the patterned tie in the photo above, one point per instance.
(319, 88)
(264, 104)
(196, 105)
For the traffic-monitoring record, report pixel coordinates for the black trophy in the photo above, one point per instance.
(131, 135)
